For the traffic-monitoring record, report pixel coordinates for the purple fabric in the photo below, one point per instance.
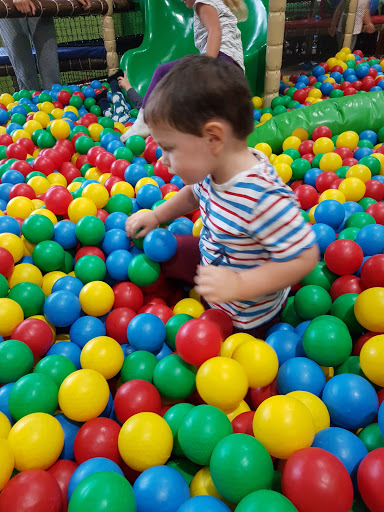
(163, 69)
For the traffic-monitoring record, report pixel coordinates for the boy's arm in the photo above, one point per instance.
(220, 284)
(210, 19)
(335, 19)
(140, 223)
(368, 25)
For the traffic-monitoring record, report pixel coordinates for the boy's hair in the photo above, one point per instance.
(238, 7)
(198, 89)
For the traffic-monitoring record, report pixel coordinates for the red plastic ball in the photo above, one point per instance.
(335, 184)
(102, 214)
(64, 97)
(324, 181)
(117, 323)
(350, 161)
(357, 84)
(374, 189)
(88, 119)
(111, 181)
(306, 147)
(345, 284)
(350, 91)
(57, 199)
(97, 438)
(162, 311)
(220, 319)
(309, 157)
(36, 334)
(22, 166)
(321, 131)
(27, 144)
(345, 85)
(242, 424)
(344, 152)
(104, 161)
(377, 212)
(5, 139)
(256, 396)
(299, 95)
(93, 153)
(343, 257)
(197, 341)
(44, 164)
(360, 342)
(22, 189)
(296, 184)
(16, 151)
(31, 491)
(128, 295)
(372, 272)
(118, 168)
(136, 396)
(89, 250)
(167, 188)
(62, 471)
(82, 159)
(307, 196)
(6, 262)
(161, 170)
(314, 480)
(369, 480)
(150, 152)
(70, 171)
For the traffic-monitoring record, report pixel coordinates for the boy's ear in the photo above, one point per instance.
(215, 133)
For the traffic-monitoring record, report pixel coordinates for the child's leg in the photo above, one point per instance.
(134, 98)
(158, 74)
(121, 111)
(183, 265)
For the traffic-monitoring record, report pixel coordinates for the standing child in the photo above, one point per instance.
(362, 22)
(216, 34)
(254, 243)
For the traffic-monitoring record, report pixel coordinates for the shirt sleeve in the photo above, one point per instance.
(196, 189)
(277, 224)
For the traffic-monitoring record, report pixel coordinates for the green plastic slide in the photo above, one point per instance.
(357, 113)
(169, 36)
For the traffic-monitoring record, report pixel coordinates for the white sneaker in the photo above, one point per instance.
(138, 128)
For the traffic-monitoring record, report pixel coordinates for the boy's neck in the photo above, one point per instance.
(233, 159)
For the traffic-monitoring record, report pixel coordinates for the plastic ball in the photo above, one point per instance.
(300, 374)
(104, 355)
(33, 393)
(190, 307)
(36, 441)
(371, 357)
(174, 378)
(13, 244)
(57, 367)
(145, 440)
(284, 425)
(136, 396)
(7, 459)
(81, 207)
(86, 328)
(97, 438)
(330, 212)
(343, 257)
(83, 395)
(96, 298)
(160, 245)
(320, 414)
(48, 256)
(266, 500)
(207, 503)
(369, 309)
(197, 341)
(11, 314)
(62, 308)
(368, 479)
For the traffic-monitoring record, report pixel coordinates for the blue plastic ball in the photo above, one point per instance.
(163, 352)
(206, 503)
(362, 152)
(117, 264)
(96, 84)
(380, 415)
(330, 212)
(303, 79)
(114, 240)
(362, 71)
(351, 401)
(181, 227)
(65, 234)
(286, 344)
(159, 180)
(4, 117)
(280, 326)
(9, 225)
(62, 308)
(107, 138)
(69, 284)
(352, 207)
(371, 239)
(311, 176)
(4, 395)
(336, 76)
(301, 328)
(115, 220)
(13, 177)
(317, 71)
(300, 374)
(86, 328)
(148, 195)
(325, 235)
(369, 135)
(70, 429)
(134, 173)
(160, 245)
(146, 332)
(139, 160)
(88, 92)
(176, 180)
(67, 349)
(160, 489)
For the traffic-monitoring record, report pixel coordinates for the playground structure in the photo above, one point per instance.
(162, 31)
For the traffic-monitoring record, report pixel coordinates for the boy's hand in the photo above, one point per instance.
(370, 28)
(86, 4)
(124, 82)
(141, 223)
(217, 284)
(25, 6)
(332, 31)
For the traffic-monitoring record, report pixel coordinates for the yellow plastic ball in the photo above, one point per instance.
(169, 195)
(6, 99)
(257, 102)
(60, 129)
(362, 172)
(315, 93)
(317, 100)
(81, 207)
(272, 158)
(341, 56)
(55, 178)
(119, 126)
(284, 171)
(42, 118)
(197, 227)
(291, 142)
(39, 184)
(369, 309)
(20, 134)
(265, 117)
(13, 244)
(222, 382)
(380, 158)
(25, 273)
(57, 113)
(283, 425)
(264, 148)
(332, 62)
(103, 178)
(259, 361)
(301, 133)
(202, 485)
(190, 307)
(47, 213)
(47, 106)
(7, 462)
(74, 157)
(347, 51)
(20, 207)
(194, 295)
(372, 359)
(353, 189)
(92, 174)
(332, 194)
(328, 371)
(323, 145)
(122, 187)
(96, 193)
(37, 203)
(28, 247)
(104, 355)
(5, 427)
(283, 159)
(316, 407)
(49, 280)
(347, 139)
(36, 441)
(242, 407)
(330, 80)
(233, 341)
(94, 131)
(145, 181)
(330, 162)
(83, 395)
(145, 440)
(96, 298)
(75, 185)
(70, 108)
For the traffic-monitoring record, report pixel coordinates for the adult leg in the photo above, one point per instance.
(43, 35)
(15, 35)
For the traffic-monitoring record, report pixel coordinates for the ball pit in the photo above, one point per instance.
(89, 318)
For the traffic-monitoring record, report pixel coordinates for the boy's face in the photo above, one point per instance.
(189, 3)
(187, 156)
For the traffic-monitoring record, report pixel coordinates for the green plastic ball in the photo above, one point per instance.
(123, 153)
(107, 122)
(67, 266)
(90, 268)
(288, 313)
(293, 153)
(186, 468)
(16, 360)
(81, 129)
(138, 365)
(57, 367)
(343, 308)
(348, 234)
(290, 92)
(280, 109)
(44, 96)
(350, 365)
(380, 134)
(172, 327)
(266, 501)
(142, 271)
(365, 202)
(19, 119)
(312, 301)
(342, 171)
(240, 465)
(316, 160)
(359, 220)
(119, 203)
(320, 276)
(336, 93)
(45, 140)
(48, 256)
(364, 143)
(4, 287)
(299, 168)
(95, 109)
(33, 393)
(29, 296)
(37, 228)
(76, 102)
(372, 437)
(89, 102)
(174, 417)
(305, 216)
(84, 144)
(201, 430)
(372, 163)
(136, 144)
(90, 230)
(174, 378)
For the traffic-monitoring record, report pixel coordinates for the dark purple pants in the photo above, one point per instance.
(163, 69)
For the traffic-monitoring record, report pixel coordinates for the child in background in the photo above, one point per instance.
(363, 22)
(216, 34)
(254, 243)
(120, 110)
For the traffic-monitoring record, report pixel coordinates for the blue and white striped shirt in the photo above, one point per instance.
(247, 221)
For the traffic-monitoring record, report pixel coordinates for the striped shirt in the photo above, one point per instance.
(247, 221)
(231, 43)
(362, 6)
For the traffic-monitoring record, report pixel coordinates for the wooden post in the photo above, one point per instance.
(275, 42)
(350, 22)
(110, 40)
